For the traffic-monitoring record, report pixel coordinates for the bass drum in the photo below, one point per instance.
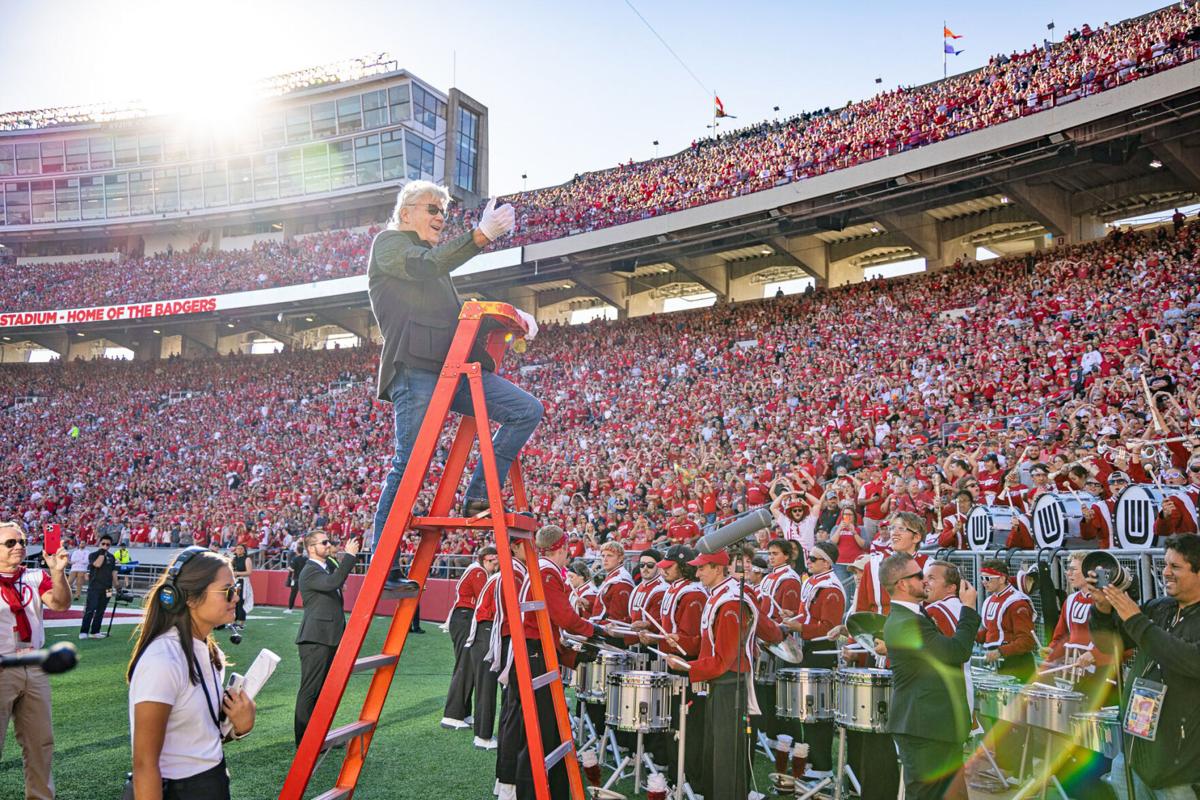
(1057, 516)
(1138, 507)
(988, 527)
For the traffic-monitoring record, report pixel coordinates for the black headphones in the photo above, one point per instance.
(170, 596)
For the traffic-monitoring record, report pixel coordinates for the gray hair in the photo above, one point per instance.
(411, 193)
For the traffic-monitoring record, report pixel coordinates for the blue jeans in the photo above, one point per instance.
(517, 411)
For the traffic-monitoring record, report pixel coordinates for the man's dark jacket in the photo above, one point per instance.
(324, 620)
(1169, 655)
(414, 301)
(929, 690)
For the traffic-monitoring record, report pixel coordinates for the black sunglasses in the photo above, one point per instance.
(11, 543)
(325, 542)
(648, 565)
(1194, 468)
(435, 210)
(912, 575)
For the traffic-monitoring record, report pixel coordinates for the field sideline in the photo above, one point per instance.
(410, 755)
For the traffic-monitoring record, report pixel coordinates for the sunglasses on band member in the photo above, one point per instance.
(230, 592)
(648, 565)
(11, 543)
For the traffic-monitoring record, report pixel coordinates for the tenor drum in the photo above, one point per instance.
(988, 527)
(1051, 709)
(640, 702)
(764, 667)
(1138, 507)
(1099, 731)
(863, 699)
(996, 697)
(804, 694)
(1057, 516)
(592, 679)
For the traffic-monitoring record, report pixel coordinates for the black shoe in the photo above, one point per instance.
(416, 630)
(401, 585)
(472, 508)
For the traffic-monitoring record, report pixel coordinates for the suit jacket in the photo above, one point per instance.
(324, 620)
(929, 691)
(415, 303)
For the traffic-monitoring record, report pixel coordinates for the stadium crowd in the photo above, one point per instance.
(749, 160)
(658, 425)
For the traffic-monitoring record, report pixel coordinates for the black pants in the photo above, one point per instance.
(872, 756)
(512, 724)
(930, 765)
(212, 784)
(819, 737)
(1022, 667)
(767, 722)
(315, 660)
(462, 680)
(693, 751)
(416, 620)
(292, 595)
(485, 682)
(512, 732)
(239, 614)
(93, 611)
(726, 743)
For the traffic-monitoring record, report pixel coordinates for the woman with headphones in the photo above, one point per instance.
(176, 675)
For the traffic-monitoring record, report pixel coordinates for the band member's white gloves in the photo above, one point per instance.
(530, 324)
(497, 222)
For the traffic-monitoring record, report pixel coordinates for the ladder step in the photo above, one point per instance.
(533, 605)
(399, 594)
(514, 522)
(339, 736)
(556, 755)
(334, 794)
(545, 679)
(369, 663)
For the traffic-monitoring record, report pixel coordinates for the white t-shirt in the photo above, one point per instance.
(192, 743)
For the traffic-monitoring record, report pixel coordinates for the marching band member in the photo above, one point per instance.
(499, 656)
(1179, 512)
(1097, 522)
(822, 606)
(466, 596)
(781, 585)
(612, 598)
(954, 526)
(679, 613)
(478, 645)
(1073, 632)
(907, 531)
(1007, 632)
(646, 598)
(583, 591)
(551, 543)
(726, 656)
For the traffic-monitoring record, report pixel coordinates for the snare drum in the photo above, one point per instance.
(640, 702)
(988, 527)
(1057, 515)
(863, 699)
(764, 667)
(805, 694)
(1051, 709)
(592, 679)
(1099, 731)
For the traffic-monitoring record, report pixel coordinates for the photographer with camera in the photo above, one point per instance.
(176, 675)
(1162, 740)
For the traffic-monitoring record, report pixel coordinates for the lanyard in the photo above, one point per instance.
(208, 703)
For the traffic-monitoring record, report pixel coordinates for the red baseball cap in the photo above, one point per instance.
(720, 557)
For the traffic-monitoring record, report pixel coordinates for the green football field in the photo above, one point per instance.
(410, 757)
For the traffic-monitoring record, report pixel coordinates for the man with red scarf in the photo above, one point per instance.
(25, 691)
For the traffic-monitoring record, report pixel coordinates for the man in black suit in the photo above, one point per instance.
(929, 716)
(324, 620)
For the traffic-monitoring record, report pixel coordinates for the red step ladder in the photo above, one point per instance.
(500, 323)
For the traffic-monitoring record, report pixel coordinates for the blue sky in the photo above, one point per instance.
(570, 85)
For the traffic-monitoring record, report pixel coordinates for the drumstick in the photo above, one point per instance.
(1056, 669)
(654, 622)
(668, 656)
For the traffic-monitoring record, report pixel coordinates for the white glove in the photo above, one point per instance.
(496, 222)
(530, 324)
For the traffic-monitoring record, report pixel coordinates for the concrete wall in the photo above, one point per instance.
(68, 259)
(155, 243)
(228, 243)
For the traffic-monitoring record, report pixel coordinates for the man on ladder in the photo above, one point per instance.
(416, 307)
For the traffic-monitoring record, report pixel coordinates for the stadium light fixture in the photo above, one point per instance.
(1156, 164)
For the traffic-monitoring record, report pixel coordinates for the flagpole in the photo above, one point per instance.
(943, 49)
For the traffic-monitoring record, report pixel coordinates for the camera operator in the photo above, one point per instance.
(1166, 633)
(25, 691)
(176, 675)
